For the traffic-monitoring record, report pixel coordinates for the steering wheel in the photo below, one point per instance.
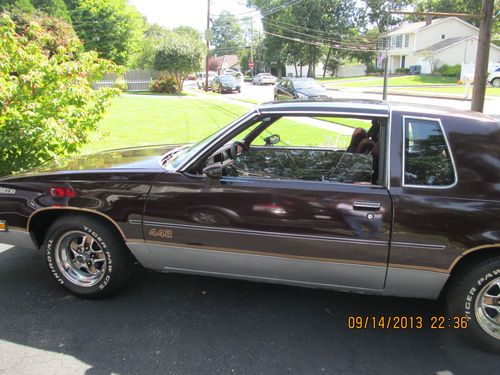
(237, 148)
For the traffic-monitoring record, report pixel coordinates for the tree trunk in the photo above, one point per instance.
(301, 69)
(327, 61)
(296, 72)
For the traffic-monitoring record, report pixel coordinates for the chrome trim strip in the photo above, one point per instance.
(438, 120)
(418, 245)
(325, 113)
(388, 150)
(264, 233)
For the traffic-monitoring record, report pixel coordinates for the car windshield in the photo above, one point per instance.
(228, 79)
(267, 74)
(308, 83)
(186, 153)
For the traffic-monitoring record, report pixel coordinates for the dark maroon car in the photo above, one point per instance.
(361, 196)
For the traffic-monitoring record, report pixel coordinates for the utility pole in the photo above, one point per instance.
(207, 37)
(482, 56)
(251, 47)
(386, 72)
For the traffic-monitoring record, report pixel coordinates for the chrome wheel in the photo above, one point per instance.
(80, 258)
(487, 308)
(496, 82)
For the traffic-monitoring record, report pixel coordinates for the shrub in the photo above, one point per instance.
(371, 70)
(450, 70)
(402, 71)
(120, 84)
(47, 104)
(165, 84)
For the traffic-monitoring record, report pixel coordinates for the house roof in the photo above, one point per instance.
(406, 28)
(413, 27)
(445, 43)
(229, 60)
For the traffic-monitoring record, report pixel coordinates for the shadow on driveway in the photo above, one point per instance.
(161, 323)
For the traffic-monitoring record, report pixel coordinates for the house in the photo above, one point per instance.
(222, 63)
(432, 43)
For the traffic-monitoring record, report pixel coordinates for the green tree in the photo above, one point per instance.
(47, 103)
(378, 12)
(112, 27)
(56, 8)
(23, 5)
(227, 34)
(179, 55)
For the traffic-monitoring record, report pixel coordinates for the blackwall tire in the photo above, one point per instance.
(475, 293)
(86, 256)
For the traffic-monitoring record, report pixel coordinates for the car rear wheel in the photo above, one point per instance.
(86, 256)
(475, 294)
(496, 82)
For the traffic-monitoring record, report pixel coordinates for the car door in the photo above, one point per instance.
(273, 229)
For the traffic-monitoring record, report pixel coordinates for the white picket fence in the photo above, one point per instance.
(131, 85)
(136, 79)
(467, 72)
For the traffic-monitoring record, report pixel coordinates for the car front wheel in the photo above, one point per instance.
(475, 294)
(496, 82)
(86, 256)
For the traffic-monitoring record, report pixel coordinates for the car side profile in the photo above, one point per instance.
(299, 88)
(226, 83)
(264, 79)
(494, 78)
(403, 201)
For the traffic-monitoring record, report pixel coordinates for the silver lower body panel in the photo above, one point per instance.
(280, 270)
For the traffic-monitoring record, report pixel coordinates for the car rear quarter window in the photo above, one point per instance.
(427, 158)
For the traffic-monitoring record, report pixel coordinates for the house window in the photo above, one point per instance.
(407, 40)
(399, 41)
(443, 36)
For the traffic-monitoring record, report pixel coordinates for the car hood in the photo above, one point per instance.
(121, 159)
(314, 92)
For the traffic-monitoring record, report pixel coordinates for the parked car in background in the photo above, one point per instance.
(494, 78)
(299, 88)
(226, 83)
(200, 81)
(410, 208)
(264, 79)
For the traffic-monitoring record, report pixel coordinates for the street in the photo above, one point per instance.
(179, 324)
(263, 94)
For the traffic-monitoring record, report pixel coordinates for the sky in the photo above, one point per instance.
(186, 12)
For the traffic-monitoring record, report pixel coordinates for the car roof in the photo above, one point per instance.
(366, 107)
(377, 108)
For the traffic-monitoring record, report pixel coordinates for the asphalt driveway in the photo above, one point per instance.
(178, 324)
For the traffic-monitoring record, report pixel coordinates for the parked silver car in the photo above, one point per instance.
(200, 79)
(264, 79)
(494, 78)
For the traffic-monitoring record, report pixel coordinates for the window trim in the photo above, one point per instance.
(403, 158)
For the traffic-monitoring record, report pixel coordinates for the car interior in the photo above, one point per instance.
(274, 148)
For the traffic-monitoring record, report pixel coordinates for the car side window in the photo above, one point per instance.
(310, 149)
(427, 158)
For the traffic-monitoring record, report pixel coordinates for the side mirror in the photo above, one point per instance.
(213, 171)
(272, 139)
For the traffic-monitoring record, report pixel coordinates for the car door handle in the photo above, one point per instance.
(364, 205)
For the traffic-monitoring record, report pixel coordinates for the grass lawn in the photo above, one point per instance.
(490, 91)
(421, 79)
(150, 120)
(350, 122)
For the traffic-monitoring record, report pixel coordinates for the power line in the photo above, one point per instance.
(323, 39)
(320, 44)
